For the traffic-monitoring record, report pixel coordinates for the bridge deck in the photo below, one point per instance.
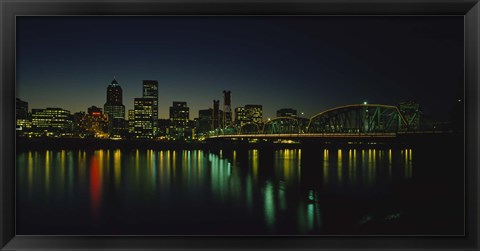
(319, 135)
(305, 135)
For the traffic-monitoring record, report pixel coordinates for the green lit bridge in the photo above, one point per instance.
(358, 121)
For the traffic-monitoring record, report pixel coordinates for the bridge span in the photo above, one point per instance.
(303, 136)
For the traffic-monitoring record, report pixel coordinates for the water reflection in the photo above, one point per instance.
(275, 191)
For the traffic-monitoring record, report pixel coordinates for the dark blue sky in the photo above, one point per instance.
(309, 63)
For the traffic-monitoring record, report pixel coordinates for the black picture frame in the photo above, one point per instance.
(9, 9)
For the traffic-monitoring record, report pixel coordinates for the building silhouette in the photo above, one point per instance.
(217, 116)
(114, 109)
(179, 121)
(21, 109)
(204, 121)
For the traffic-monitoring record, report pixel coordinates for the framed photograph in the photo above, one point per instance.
(249, 124)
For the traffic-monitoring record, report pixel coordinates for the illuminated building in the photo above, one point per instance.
(51, 122)
(179, 121)
(22, 117)
(131, 121)
(248, 114)
(150, 90)
(287, 112)
(93, 124)
(144, 122)
(240, 116)
(114, 109)
(254, 113)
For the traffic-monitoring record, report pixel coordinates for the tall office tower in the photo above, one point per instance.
(227, 109)
(179, 120)
(150, 90)
(114, 109)
(216, 115)
(143, 117)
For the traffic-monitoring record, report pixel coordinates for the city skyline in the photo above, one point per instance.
(307, 63)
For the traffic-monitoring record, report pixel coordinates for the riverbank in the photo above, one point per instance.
(23, 144)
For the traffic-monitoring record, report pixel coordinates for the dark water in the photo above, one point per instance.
(321, 191)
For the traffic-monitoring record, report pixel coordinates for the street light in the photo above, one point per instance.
(364, 102)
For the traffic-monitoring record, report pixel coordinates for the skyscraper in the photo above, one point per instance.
(179, 120)
(150, 91)
(143, 113)
(114, 109)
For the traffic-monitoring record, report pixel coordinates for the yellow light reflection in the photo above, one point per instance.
(339, 167)
(408, 163)
(101, 160)
(48, 160)
(174, 160)
(299, 157)
(325, 166)
(255, 163)
(390, 163)
(234, 156)
(350, 166)
(287, 164)
(30, 172)
(62, 170)
(117, 171)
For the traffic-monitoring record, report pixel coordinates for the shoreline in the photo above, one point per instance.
(25, 144)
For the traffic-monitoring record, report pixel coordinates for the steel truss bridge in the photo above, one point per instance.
(349, 121)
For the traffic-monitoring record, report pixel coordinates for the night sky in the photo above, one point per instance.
(309, 63)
